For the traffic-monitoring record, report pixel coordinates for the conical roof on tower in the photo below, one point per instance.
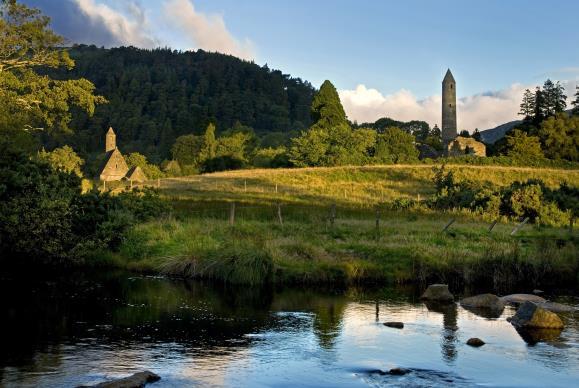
(448, 77)
(110, 131)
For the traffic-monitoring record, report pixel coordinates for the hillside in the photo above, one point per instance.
(490, 136)
(346, 186)
(157, 95)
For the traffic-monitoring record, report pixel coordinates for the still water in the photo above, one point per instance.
(76, 329)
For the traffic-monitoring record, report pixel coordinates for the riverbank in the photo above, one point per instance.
(337, 226)
(306, 248)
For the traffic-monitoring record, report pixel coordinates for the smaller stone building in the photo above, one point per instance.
(136, 175)
(114, 167)
(466, 146)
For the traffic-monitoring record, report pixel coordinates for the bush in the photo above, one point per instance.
(45, 217)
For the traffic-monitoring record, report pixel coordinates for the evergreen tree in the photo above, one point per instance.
(327, 111)
(554, 98)
(527, 105)
(539, 107)
(576, 101)
(560, 137)
(476, 135)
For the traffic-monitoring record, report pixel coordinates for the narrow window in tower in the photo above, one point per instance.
(451, 86)
(450, 105)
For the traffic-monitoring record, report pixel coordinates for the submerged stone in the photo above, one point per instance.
(399, 371)
(438, 293)
(531, 316)
(517, 299)
(475, 342)
(396, 325)
(137, 380)
(487, 301)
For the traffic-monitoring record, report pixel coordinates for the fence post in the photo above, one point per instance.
(158, 182)
(276, 188)
(493, 225)
(104, 185)
(280, 219)
(245, 185)
(232, 213)
(377, 223)
(518, 227)
(332, 214)
(448, 225)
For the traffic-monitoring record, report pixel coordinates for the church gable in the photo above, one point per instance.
(115, 167)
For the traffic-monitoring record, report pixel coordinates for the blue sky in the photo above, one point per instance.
(387, 58)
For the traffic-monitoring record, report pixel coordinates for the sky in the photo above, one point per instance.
(386, 58)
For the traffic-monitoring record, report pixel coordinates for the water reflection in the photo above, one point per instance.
(448, 341)
(79, 329)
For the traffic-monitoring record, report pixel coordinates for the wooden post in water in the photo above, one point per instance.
(518, 227)
(231, 213)
(280, 219)
(448, 225)
(493, 225)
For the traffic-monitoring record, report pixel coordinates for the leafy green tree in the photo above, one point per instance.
(187, 149)
(233, 146)
(395, 146)
(136, 159)
(63, 159)
(29, 100)
(310, 148)
(327, 111)
(171, 168)
(527, 105)
(560, 137)
(209, 147)
(523, 147)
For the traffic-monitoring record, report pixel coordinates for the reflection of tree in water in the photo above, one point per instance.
(449, 319)
(328, 320)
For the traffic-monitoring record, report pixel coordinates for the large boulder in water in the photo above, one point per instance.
(531, 316)
(483, 301)
(438, 293)
(137, 380)
(517, 299)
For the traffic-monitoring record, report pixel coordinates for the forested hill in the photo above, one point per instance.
(157, 95)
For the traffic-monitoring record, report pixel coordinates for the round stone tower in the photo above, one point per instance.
(111, 140)
(449, 128)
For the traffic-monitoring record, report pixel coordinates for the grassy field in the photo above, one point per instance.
(198, 240)
(345, 186)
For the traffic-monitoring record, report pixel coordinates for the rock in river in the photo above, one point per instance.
(475, 342)
(557, 307)
(137, 380)
(399, 371)
(517, 299)
(438, 293)
(531, 316)
(486, 301)
(396, 325)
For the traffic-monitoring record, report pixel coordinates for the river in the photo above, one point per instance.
(74, 329)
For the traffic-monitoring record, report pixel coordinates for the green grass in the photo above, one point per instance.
(346, 186)
(197, 241)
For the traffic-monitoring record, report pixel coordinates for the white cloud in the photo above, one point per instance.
(131, 29)
(205, 31)
(483, 111)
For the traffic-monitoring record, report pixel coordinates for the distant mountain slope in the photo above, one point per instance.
(491, 135)
(157, 95)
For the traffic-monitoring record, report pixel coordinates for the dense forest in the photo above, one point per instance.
(158, 95)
